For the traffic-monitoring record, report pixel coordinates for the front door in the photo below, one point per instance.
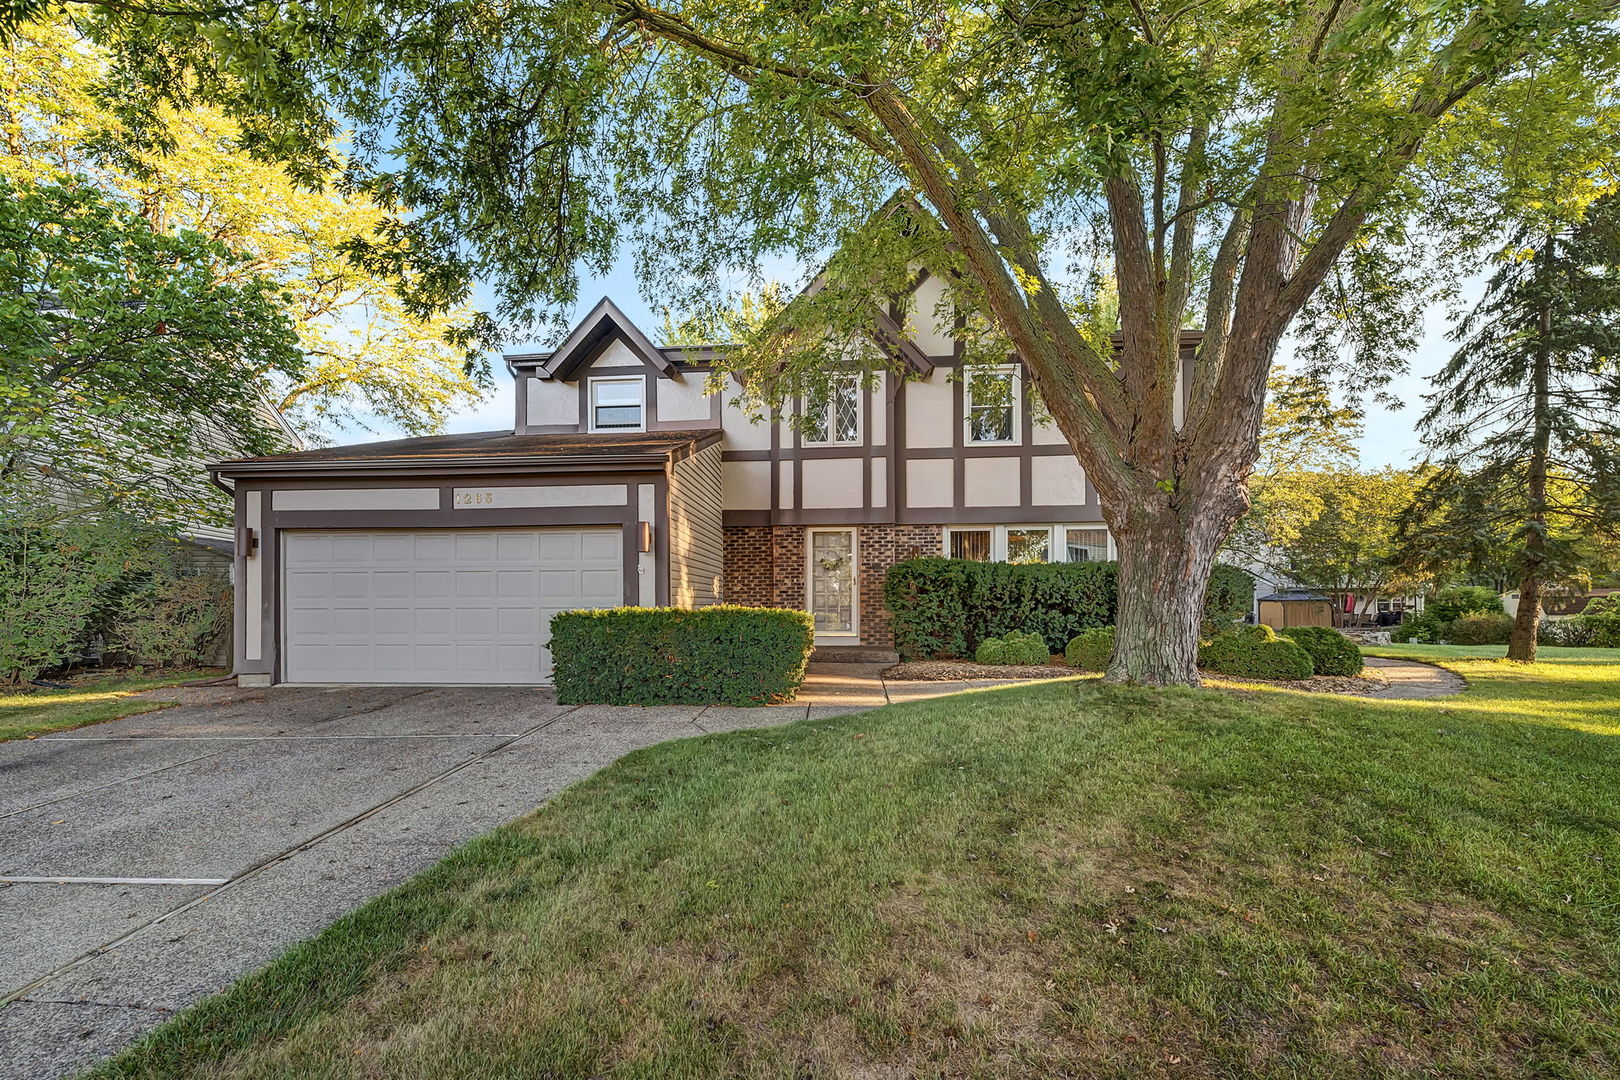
(831, 584)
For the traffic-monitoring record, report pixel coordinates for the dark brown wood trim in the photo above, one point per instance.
(468, 518)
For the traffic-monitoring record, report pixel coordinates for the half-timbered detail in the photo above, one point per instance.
(629, 477)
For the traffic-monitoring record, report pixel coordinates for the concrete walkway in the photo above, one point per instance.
(151, 861)
(1413, 680)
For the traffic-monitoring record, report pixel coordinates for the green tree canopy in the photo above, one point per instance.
(372, 361)
(124, 351)
(1244, 163)
(1329, 529)
(1524, 423)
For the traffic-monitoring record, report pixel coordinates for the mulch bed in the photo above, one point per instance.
(1369, 682)
(950, 670)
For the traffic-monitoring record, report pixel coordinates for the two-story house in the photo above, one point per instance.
(627, 480)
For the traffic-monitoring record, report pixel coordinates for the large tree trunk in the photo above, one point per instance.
(1522, 645)
(1165, 557)
(1526, 623)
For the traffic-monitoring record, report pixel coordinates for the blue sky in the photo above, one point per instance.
(1390, 437)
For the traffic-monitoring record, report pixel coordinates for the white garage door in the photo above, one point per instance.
(438, 605)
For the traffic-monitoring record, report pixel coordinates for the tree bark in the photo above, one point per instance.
(1527, 620)
(1166, 553)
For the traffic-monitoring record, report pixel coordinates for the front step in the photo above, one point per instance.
(853, 654)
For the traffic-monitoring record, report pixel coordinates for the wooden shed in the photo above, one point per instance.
(1296, 607)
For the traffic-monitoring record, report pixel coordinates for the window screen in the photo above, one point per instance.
(1087, 545)
(616, 404)
(970, 544)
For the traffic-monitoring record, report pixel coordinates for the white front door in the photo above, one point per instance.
(832, 585)
(447, 606)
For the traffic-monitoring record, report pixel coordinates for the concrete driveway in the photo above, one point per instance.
(149, 862)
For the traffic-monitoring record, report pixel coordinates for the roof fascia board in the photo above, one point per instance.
(582, 345)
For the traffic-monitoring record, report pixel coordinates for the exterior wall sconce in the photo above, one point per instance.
(646, 537)
(250, 543)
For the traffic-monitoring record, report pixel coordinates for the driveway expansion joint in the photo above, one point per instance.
(92, 1003)
(257, 869)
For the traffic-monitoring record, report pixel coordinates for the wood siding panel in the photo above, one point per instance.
(696, 535)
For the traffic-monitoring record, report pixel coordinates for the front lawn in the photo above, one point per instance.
(1056, 880)
(39, 711)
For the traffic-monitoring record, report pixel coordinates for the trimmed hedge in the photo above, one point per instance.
(1014, 648)
(1255, 652)
(1090, 650)
(721, 655)
(947, 607)
(1331, 652)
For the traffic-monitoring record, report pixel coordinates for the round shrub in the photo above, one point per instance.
(1478, 628)
(1331, 652)
(1599, 622)
(1090, 650)
(1255, 652)
(1013, 648)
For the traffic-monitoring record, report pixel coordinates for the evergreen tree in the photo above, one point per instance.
(1524, 426)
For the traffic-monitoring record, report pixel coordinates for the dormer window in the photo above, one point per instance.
(835, 419)
(617, 404)
(992, 406)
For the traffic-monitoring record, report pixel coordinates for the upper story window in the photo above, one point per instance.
(617, 404)
(992, 405)
(835, 418)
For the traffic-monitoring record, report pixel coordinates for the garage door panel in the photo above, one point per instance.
(517, 547)
(596, 584)
(475, 622)
(392, 584)
(433, 584)
(559, 546)
(433, 621)
(516, 584)
(477, 584)
(392, 658)
(432, 547)
(456, 606)
(351, 622)
(514, 621)
(306, 585)
(393, 624)
(351, 550)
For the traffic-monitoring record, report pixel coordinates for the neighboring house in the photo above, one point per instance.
(626, 481)
(1558, 604)
(1281, 604)
(208, 548)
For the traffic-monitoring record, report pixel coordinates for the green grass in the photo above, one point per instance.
(33, 712)
(1062, 879)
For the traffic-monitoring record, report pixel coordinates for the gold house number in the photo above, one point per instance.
(475, 498)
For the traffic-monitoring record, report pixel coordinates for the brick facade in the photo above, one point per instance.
(765, 567)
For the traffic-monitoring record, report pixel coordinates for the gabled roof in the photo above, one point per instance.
(601, 327)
